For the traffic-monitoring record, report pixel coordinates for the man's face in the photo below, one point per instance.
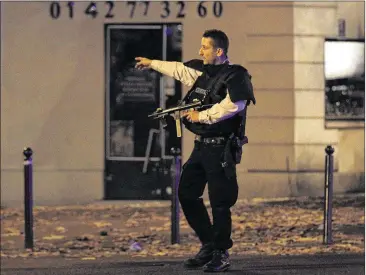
(208, 52)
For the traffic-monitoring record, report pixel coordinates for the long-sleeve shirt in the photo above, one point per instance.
(188, 76)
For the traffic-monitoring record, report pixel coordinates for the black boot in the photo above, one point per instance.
(220, 261)
(202, 257)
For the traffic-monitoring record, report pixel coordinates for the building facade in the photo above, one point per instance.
(53, 93)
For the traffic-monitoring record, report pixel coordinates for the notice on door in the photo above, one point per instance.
(137, 86)
(122, 138)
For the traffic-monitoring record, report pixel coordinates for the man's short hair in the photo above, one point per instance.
(220, 39)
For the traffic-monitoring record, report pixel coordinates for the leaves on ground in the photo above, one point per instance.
(281, 226)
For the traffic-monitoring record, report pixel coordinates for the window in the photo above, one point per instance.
(344, 67)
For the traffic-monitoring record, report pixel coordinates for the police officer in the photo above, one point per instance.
(227, 91)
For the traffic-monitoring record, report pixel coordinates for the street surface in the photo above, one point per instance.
(251, 265)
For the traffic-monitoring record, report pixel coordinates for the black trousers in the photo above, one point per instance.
(204, 166)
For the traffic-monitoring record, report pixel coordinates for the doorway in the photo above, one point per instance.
(138, 162)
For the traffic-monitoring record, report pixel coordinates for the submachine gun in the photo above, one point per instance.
(162, 114)
(175, 111)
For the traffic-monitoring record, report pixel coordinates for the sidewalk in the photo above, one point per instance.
(248, 265)
(141, 230)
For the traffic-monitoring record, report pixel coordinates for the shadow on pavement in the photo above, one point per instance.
(318, 202)
(352, 229)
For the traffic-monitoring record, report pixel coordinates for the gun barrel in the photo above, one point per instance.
(175, 109)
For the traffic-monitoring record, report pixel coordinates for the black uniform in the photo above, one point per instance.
(206, 161)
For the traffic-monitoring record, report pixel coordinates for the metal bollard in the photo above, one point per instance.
(28, 198)
(328, 195)
(175, 201)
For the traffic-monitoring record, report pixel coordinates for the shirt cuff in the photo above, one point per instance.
(203, 117)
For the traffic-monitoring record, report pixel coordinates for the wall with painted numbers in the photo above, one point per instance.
(53, 88)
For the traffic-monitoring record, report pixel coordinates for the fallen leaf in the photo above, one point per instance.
(60, 229)
(53, 237)
(102, 224)
(11, 232)
(160, 253)
(88, 258)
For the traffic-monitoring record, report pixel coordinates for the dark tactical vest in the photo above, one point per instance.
(211, 88)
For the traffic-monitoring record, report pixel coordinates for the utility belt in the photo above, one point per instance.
(232, 152)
